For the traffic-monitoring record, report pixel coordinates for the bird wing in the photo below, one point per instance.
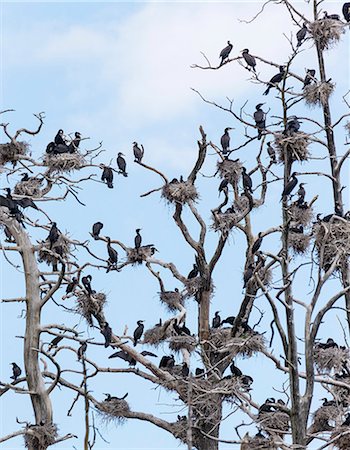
(146, 353)
(120, 354)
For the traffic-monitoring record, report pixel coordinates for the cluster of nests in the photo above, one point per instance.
(331, 358)
(40, 436)
(294, 145)
(140, 254)
(245, 345)
(327, 32)
(11, 151)
(90, 305)
(114, 410)
(317, 94)
(331, 239)
(64, 162)
(257, 442)
(49, 255)
(29, 188)
(224, 221)
(179, 192)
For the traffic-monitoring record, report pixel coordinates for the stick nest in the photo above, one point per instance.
(65, 162)
(180, 192)
(257, 443)
(61, 247)
(30, 188)
(245, 345)
(171, 299)
(158, 334)
(322, 416)
(327, 359)
(39, 437)
(193, 285)
(294, 146)
(230, 170)
(179, 430)
(299, 242)
(12, 151)
(177, 343)
(225, 221)
(343, 442)
(327, 32)
(317, 94)
(90, 306)
(300, 215)
(274, 422)
(114, 410)
(139, 255)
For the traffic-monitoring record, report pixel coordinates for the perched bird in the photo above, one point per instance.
(247, 181)
(289, 186)
(25, 177)
(26, 202)
(327, 402)
(53, 234)
(249, 59)
(185, 370)
(331, 16)
(16, 371)
(107, 175)
(107, 333)
(223, 185)
(59, 138)
(275, 80)
(259, 117)
(112, 253)
(8, 234)
(225, 141)
(87, 283)
(129, 359)
(82, 350)
(309, 77)
(96, 228)
(216, 322)
(138, 331)
(109, 398)
(225, 52)
(73, 146)
(301, 193)
(199, 372)
(121, 163)
(138, 153)
(346, 11)
(181, 330)
(248, 273)
(293, 125)
(257, 243)
(346, 422)
(167, 362)
(271, 152)
(194, 272)
(70, 286)
(267, 407)
(299, 229)
(230, 320)
(236, 372)
(55, 341)
(301, 34)
(138, 238)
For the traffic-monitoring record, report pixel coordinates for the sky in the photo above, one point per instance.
(120, 72)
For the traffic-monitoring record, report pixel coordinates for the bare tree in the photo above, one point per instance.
(306, 248)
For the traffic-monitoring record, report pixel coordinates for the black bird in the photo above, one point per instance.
(129, 359)
(8, 234)
(59, 138)
(301, 193)
(107, 175)
(259, 117)
(331, 344)
(248, 273)
(257, 243)
(225, 141)
(327, 402)
(112, 253)
(16, 371)
(185, 371)
(194, 272)
(55, 341)
(249, 59)
(199, 372)
(293, 125)
(26, 202)
(82, 350)
(121, 163)
(216, 322)
(230, 320)
(70, 286)
(309, 77)
(346, 11)
(301, 34)
(138, 153)
(225, 52)
(331, 16)
(73, 146)
(53, 234)
(247, 181)
(87, 283)
(96, 228)
(275, 80)
(299, 229)
(267, 407)
(107, 333)
(236, 372)
(181, 330)
(25, 177)
(138, 238)
(223, 185)
(289, 186)
(271, 152)
(110, 398)
(138, 331)
(167, 362)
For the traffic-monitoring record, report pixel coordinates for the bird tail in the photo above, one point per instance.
(125, 174)
(110, 185)
(135, 342)
(267, 90)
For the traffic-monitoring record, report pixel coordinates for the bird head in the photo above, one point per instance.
(302, 184)
(134, 143)
(77, 134)
(139, 322)
(89, 277)
(60, 132)
(176, 289)
(229, 43)
(217, 312)
(138, 230)
(53, 224)
(259, 105)
(245, 50)
(120, 154)
(282, 68)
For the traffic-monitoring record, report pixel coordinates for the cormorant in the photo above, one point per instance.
(301, 34)
(267, 407)
(289, 186)
(82, 350)
(327, 402)
(230, 320)
(107, 175)
(271, 152)
(236, 372)
(185, 371)
(293, 125)
(181, 330)
(138, 331)
(107, 333)
(301, 193)
(26, 202)
(259, 117)
(129, 359)
(55, 341)
(96, 228)
(138, 238)
(216, 322)
(87, 283)
(199, 372)
(257, 243)
(53, 234)
(121, 163)
(167, 362)
(194, 272)
(331, 16)
(331, 343)
(73, 146)
(309, 77)
(110, 398)
(138, 153)
(16, 371)
(249, 59)
(59, 138)
(225, 52)
(70, 286)
(112, 253)
(225, 141)
(346, 11)
(8, 234)
(275, 80)
(248, 273)
(25, 177)
(299, 229)
(247, 181)
(223, 185)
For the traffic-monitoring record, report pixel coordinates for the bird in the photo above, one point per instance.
(266, 406)
(107, 333)
(138, 238)
(249, 59)
(199, 372)
(138, 331)
(167, 362)
(73, 146)
(129, 359)
(181, 330)
(331, 16)
(112, 253)
(107, 175)
(299, 229)
(225, 141)
(26, 202)
(59, 138)
(82, 350)
(289, 186)
(248, 273)
(327, 402)
(293, 125)
(259, 117)
(109, 398)
(216, 322)
(331, 344)
(8, 234)
(247, 181)
(346, 11)
(225, 52)
(271, 152)
(16, 371)
(301, 194)
(185, 370)
(55, 341)
(121, 163)
(223, 185)
(236, 372)
(301, 34)
(70, 286)
(230, 320)
(53, 234)
(309, 77)
(138, 153)
(257, 243)
(194, 272)
(96, 228)
(87, 283)
(275, 80)
(25, 177)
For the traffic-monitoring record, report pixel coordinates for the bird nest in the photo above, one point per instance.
(61, 247)
(327, 32)
(224, 222)
(179, 429)
(180, 192)
(318, 94)
(332, 239)
(299, 242)
(245, 345)
(11, 151)
(158, 334)
(171, 299)
(327, 359)
(300, 215)
(274, 422)
(29, 188)
(64, 162)
(342, 441)
(39, 437)
(138, 255)
(90, 306)
(230, 386)
(193, 285)
(257, 443)
(322, 416)
(177, 343)
(295, 147)
(265, 276)
(114, 410)
(230, 170)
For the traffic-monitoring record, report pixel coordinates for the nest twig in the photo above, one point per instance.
(230, 170)
(327, 32)
(177, 343)
(40, 436)
(299, 242)
(61, 247)
(317, 94)
(11, 151)
(179, 192)
(90, 306)
(64, 162)
(295, 146)
(245, 345)
(327, 359)
(29, 188)
(114, 410)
